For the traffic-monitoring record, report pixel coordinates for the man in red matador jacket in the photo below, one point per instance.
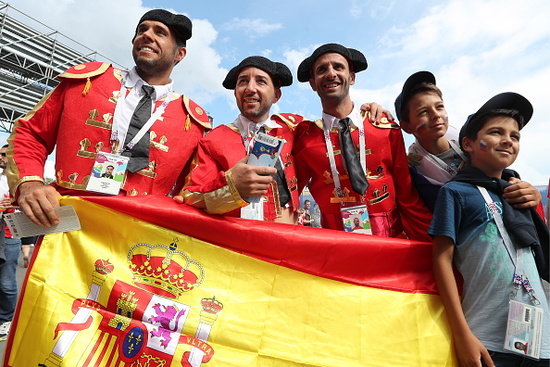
(87, 117)
(394, 207)
(222, 182)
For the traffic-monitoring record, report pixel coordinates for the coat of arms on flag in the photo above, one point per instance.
(141, 324)
(177, 287)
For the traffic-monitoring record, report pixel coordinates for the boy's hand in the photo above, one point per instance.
(521, 194)
(470, 352)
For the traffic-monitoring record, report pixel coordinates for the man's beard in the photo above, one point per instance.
(153, 66)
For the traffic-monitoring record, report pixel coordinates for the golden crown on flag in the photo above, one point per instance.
(163, 270)
(211, 305)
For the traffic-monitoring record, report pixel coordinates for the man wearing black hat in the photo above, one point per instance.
(342, 179)
(100, 113)
(222, 180)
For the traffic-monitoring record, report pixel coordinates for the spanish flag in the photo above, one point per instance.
(149, 283)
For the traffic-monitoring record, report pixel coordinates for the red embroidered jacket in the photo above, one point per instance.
(394, 205)
(76, 120)
(208, 186)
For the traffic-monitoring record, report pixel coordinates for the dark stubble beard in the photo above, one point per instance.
(153, 66)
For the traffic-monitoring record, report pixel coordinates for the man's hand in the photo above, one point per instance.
(251, 180)
(521, 194)
(38, 202)
(376, 111)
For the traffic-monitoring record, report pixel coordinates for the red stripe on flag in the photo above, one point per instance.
(378, 262)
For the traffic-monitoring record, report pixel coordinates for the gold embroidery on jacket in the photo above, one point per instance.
(160, 144)
(118, 74)
(116, 95)
(276, 199)
(71, 184)
(85, 153)
(149, 171)
(378, 198)
(105, 124)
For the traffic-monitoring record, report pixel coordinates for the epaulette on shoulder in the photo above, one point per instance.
(384, 123)
(290, 119)
(195, 112)
(86, 70)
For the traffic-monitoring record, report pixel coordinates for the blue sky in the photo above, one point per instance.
(476, 49)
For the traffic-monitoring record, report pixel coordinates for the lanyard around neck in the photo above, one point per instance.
(450, 169)
(245, 134)
(332, 161)
(516, 256)
(145, 128)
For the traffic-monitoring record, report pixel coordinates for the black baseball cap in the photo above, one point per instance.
(502, 101)
(417, 78)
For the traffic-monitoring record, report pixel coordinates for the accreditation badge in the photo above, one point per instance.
(356, 219)
(524, 329)
(108, 173)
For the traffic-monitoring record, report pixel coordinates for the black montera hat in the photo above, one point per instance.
(354, 57)
(278, 71)
(178, 22)
(411, 82)
(503, 101)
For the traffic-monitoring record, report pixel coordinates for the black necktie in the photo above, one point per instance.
(355, 171)
(279, 177)
(139, 154)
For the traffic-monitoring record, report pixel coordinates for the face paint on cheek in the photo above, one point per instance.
(446, 118)
(420, 128)
(483, 145)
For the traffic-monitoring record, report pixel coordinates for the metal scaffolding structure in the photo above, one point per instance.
(31, 57)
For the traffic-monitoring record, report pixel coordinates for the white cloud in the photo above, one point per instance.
(476, 50)
(200, 75)
(252, 28)
(374, 8)
(293, 58)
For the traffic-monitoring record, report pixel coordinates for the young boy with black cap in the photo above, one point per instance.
(222, 180)
(435, 156)
(500, 251)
